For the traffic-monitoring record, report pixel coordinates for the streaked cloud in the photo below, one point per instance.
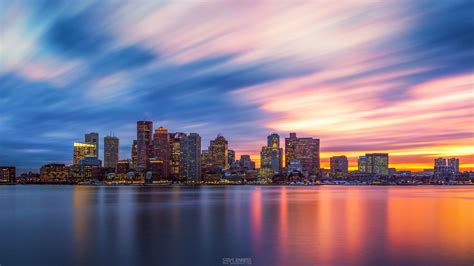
(363, 76)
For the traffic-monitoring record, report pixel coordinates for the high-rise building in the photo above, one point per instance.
(111, 151)
(144, 142)
(134, 153)
(176, 140)
(271, 156)
(453, 163)
(161, 147)
(206, 162)
(446, 169)
(304, 150)
(246, 162)
(218, 151)
(82, 150)
(87, 166)
(362, 164)
(190, 164)
(339, 166)
(93, 138)
(377, 163)
(230, 157)
(7, 174)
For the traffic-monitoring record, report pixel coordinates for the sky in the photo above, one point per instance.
(362, 76)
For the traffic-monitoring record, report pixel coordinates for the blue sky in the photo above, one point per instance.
(337, 71)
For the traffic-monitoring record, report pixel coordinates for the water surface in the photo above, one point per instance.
(323, 225)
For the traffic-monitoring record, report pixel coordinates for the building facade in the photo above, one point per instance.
(190, 165)
(111, 151)
(161, 148)
(81, 150)
(176, 140)
(218, 152)
(7, 174)
(377, 163)
(93, 138)
(339, 166)
(144, 142)
(304, 150)
(271, 156)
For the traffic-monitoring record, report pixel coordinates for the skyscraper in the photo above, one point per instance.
(161, 147)
(134, 153)
(377, 163)
(144, 142)
(176, 140)
(453, 163)
(304, 150)
(362, 164)
(93, 138)
(339, 165)
(218, 151)
(230, 157)
(271, 155)
(81, 150)
(190, 165)
(111, 151)
(246, 162)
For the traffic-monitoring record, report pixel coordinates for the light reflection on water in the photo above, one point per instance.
(79, 225)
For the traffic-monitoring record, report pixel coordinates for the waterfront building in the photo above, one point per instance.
(144, 142)
(339, 166)
(453, 163)
(81, 150)
(176, 140)
(231, 156)
(93, 138)
(87, 166)
(122, 169)
(362, 164)
(190, 164)
(271, 156)
(111, 151)
(161, 148)
(54, 172)
(294, 167)
(218, 152)
(7, 174)
(134, 153)
(246, 162)
(304, 150)
(156, 167)
(377, 163)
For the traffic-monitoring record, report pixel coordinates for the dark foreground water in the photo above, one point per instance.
(325, 225)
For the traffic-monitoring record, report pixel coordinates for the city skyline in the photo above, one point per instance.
(67, 70)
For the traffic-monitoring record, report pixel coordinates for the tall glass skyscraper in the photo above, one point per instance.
(144, 142)
(304, 150)
(93, 138)
(111, 151)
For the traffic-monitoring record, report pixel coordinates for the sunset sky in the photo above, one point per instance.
(363, 76)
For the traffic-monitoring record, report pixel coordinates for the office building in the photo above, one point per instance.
(246, 162)
(93, 138)
(453, 163)
(161, 148)
(218, 151)
(339, 166)
(271, 156)
(230, 157)
(362, 164)
(377, 163)
(134, 154)
(144, 142)
(7, 174)
(176, 140)
(81, 150)
(54, 172)
(190, 164)
(304, 150)
(111, 151)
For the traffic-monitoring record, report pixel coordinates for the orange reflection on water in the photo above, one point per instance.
(256, 211)
(440, 221)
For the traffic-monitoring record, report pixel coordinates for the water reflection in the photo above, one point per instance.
(270, 225)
